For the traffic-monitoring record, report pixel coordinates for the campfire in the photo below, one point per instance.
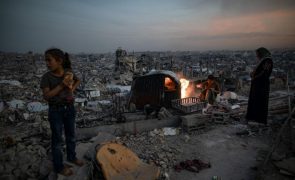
(189, 101)
(188, 89)
(184, 88)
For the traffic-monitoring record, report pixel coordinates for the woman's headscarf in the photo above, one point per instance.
(262, 53)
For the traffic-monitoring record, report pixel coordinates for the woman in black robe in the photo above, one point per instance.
(259, 93)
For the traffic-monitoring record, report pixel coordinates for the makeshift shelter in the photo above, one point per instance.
(156, 88)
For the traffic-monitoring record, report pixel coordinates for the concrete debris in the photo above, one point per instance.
(11, 82)
(103, 99)
(164, 113)
(287, 165)
(170, 131)
(153, 148)
(23, 161)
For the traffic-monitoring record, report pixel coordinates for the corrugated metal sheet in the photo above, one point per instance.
(149, 89)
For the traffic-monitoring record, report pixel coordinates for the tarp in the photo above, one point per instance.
(122, 88)
(36, 107)
(229, 95)
(16, 104)
(105, 102)
(80, 100)
(94, 93)
(11, 82)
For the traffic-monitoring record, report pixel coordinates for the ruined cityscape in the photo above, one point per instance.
(149, 103)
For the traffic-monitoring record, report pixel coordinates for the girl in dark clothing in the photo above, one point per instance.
(58, 91)
(259, 93)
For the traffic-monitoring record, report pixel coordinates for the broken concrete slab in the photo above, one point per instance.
(287, 165)
(129, 127)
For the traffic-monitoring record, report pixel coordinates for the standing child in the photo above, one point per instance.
(58, 92)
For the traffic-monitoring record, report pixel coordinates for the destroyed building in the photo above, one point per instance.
(187, 141)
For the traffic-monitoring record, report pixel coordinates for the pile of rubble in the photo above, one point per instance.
(162, 147)
(23, 158)
(153, 148)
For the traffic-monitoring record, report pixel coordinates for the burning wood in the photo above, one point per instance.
(169, 84)
(184, 87)
(189, 89)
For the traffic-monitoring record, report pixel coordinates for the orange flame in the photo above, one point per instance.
(184, 85)
(169, 84)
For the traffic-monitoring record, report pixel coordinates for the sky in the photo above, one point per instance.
(98, 26)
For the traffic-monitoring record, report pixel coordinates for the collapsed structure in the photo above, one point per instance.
(112, 84)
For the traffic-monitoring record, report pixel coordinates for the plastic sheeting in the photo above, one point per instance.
(11, 82)
(16, 104)
(122, 88)
(36, 107)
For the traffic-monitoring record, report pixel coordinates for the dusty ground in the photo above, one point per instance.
(231, 156)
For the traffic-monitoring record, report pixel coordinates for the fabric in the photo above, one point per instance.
(62, 117)
(259, 92)
(51, 81)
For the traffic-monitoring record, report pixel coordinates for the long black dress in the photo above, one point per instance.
(259, 93)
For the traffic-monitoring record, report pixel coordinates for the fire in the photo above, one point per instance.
(184, 86)
(169, 84)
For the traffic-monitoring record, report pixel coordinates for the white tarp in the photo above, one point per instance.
(36, 107)
(16, 104)
(236, 106)
(94, 93)
(80, 100)
(168, 131)
(26, 116)
(122, 88)
(105, 102)
(93, 105)
(229, 95)
(11, 82)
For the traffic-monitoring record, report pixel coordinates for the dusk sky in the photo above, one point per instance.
(140, 25)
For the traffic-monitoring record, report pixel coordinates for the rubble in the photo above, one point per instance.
(153, 149)
(102, 99)
(11, 82)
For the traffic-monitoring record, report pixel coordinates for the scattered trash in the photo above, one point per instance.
(170, 131)
(236, 106)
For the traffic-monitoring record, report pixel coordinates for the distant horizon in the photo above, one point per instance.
(130, 51)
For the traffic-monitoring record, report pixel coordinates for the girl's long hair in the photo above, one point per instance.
(59, 54)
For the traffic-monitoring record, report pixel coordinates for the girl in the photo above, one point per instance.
(58, 92)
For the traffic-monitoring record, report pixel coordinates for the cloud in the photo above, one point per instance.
(240, 36)
(238, 7)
